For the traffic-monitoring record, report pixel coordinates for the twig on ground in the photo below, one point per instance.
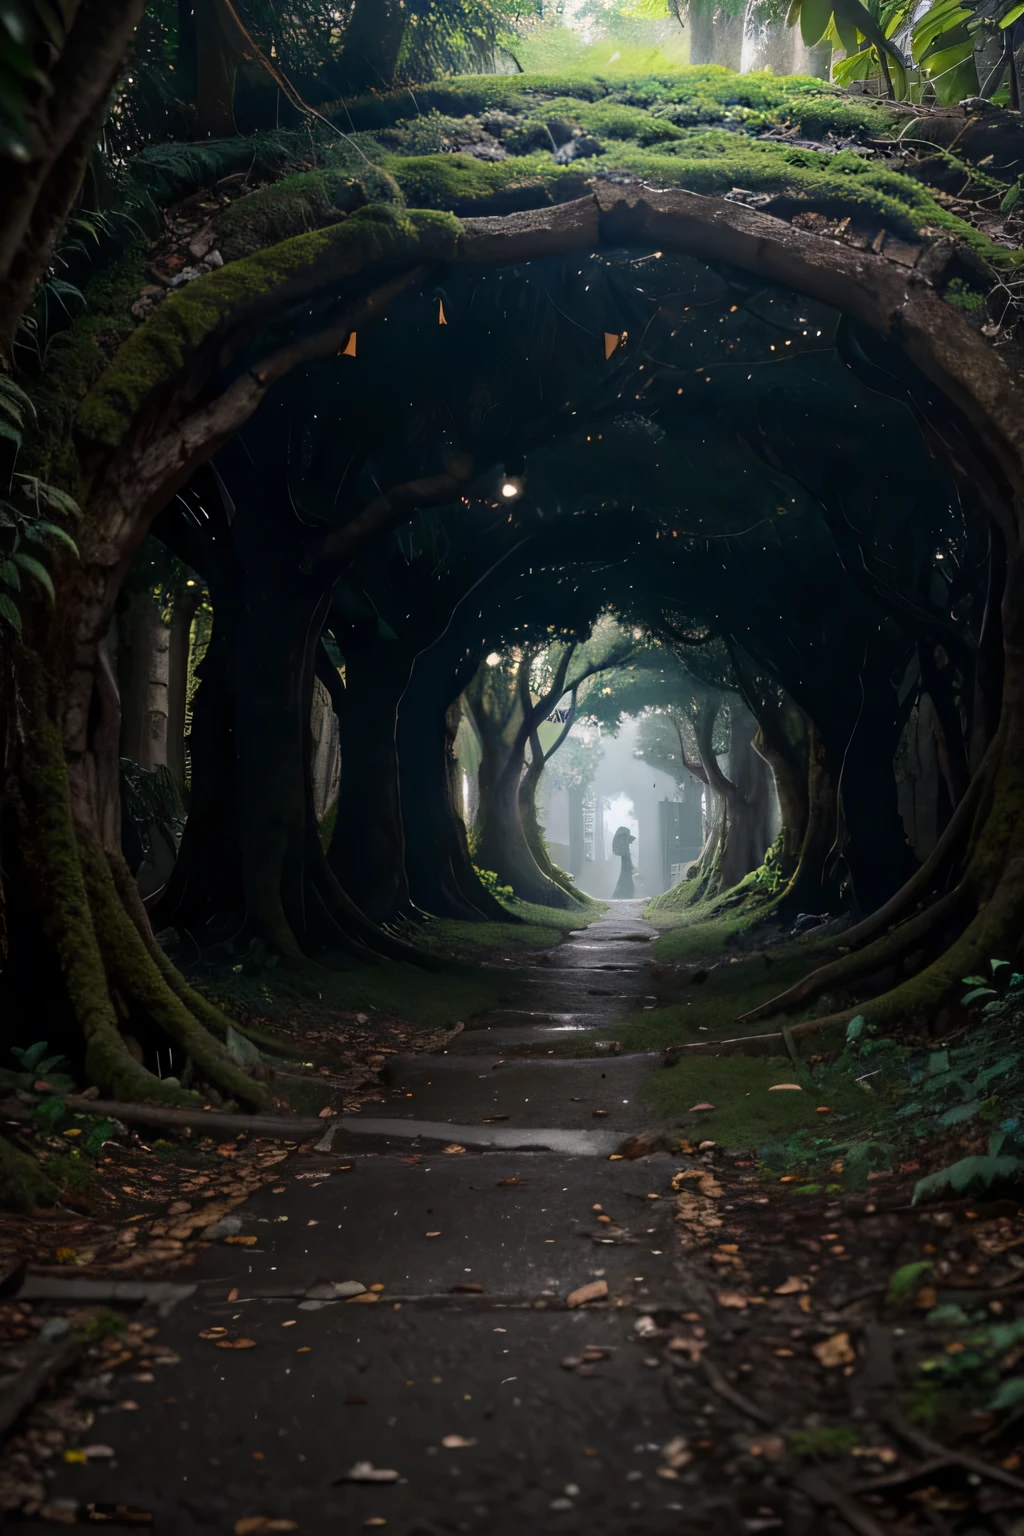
(929, 1447)
(717, 1382)
(825, 1493)
(42, 1367)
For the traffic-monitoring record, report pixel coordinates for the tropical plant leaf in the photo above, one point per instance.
(855, 1029)
(977, 992)
(903, 1280)
(1010, 1393)
(10, 575)
(961, 1112)
(51, 496)
(969, 1175)
(9, 614)
(1013, 14)
(43, 533)
(37, 569)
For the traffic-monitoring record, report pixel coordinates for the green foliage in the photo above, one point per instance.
(969, 1176)
(489, 880)
(907, 1278)
(826, 1441)
(34, 1065)
(27, 29)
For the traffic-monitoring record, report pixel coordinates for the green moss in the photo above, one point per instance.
(156, 354)
(747, 1113)
(294, 206)
(834, 1441)
(75, 361)
(464, 185)
(23, 1184)
(166, 173)
(539, 928)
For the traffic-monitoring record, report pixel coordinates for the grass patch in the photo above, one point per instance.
(437, 999)
(746, 1113)
(540, 928)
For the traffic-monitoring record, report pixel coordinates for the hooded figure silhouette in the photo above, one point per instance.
(621, 844)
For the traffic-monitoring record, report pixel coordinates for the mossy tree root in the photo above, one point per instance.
(858, 967)
(23, 1184)
(870, 948)
(54, 883)
(207, 1013)
(132, 970)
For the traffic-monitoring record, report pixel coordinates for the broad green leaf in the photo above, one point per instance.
(37, 569)
(960, 1112)
(903, 1280)
(858, 66)
(995, 964)
(855, 1029)
(941, 17)
(954, 74)
(42, 533)
(9, 614)
(974, 981)
(10, 575)
(977, 992)
(969, 1175)
(815, 16)
(847, 33)
(10, 433)
(1013, 14)
(1010, 1393)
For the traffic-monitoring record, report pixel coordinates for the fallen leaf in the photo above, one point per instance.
(823, 1109)
(253, 1525)
(241, 1242)
(234, 1293)
(432, 1234)
(597, 1290)
(771, 1447)
(778, 1087)
(237, 1344)
(326, 1114)
(677, 1453)
(732, 1299)
(366, 1472)
(454, 1147)
(468, 1288)
(702, 1105)
(615, 1157)
(791, 1286)
(599, 1111)
(76, 1457)
(366, 1296)
(100, 1452)
(508, 1183)
(213, 1333)
(835, 1351)
(456, 1443)
(925, 1298)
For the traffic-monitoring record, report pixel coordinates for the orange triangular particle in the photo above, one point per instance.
(611, 343)
(350, 346)
(441, 317)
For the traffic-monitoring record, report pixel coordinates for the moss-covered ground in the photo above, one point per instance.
(538, 928)
(747, 1113)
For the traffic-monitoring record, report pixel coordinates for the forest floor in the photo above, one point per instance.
(689, 1341)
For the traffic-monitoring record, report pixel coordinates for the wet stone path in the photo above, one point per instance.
(449, 1381)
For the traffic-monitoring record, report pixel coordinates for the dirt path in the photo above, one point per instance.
(274, 1429)
(739, 1375)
